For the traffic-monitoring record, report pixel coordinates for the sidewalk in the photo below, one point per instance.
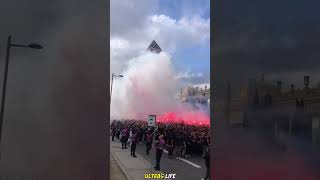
(115, 171)
(133, 168)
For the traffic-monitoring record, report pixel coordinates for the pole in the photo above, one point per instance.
(275, 128)
(111, 87)
(4, 86)
(228, 104)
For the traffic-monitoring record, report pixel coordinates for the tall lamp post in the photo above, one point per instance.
(113, 75)
(4, 86)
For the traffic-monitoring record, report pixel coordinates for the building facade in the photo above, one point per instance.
(154, 47)
(195, 95)
(267, 106)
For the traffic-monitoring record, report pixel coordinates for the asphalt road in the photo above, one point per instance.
(192, 168)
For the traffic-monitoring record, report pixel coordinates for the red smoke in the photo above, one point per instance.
(188, 117)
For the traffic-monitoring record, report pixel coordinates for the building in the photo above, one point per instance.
(154, 47)
(268, 106)
(195, 94)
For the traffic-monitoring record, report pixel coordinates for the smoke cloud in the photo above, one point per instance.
(150, 86)
(147, 87)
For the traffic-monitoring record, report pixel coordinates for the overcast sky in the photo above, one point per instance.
(181, 28)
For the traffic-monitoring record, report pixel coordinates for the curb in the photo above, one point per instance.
(138, 156)
(121, 166)
(147, 162)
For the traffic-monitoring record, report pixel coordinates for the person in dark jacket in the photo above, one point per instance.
(188, 145)
(113, 132)
(207, 161)
(140, 134)
(124, 138)
(118, 133)
(149, 138)
(179, 146)
(159, 145)
(134, 143)
(170, 144)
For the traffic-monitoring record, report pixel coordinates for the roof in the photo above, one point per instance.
(202, 85)
(154, 47)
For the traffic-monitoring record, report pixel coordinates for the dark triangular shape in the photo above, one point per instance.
(154, 47)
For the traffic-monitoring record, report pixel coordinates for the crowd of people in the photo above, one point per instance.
(180, 140)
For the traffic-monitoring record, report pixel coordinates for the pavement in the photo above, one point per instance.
(132, 168)
(192, 168)
(115, 171)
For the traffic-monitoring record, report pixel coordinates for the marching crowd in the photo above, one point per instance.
(180, 140)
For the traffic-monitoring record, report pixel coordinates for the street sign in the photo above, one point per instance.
(152, 120)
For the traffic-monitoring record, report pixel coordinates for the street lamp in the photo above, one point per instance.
(113, 75)
(9, 45)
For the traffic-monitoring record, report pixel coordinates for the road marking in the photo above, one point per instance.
(189, 162)
(186, 161)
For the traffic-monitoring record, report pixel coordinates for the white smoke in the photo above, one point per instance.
(148, 87)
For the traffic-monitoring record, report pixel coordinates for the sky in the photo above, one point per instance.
(181, 28)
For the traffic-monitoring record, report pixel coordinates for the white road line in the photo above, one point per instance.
(189, 162)
(186, 161)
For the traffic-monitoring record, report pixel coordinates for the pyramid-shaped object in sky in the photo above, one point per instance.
(154, 47)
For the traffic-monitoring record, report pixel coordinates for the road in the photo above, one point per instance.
(192, 168)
